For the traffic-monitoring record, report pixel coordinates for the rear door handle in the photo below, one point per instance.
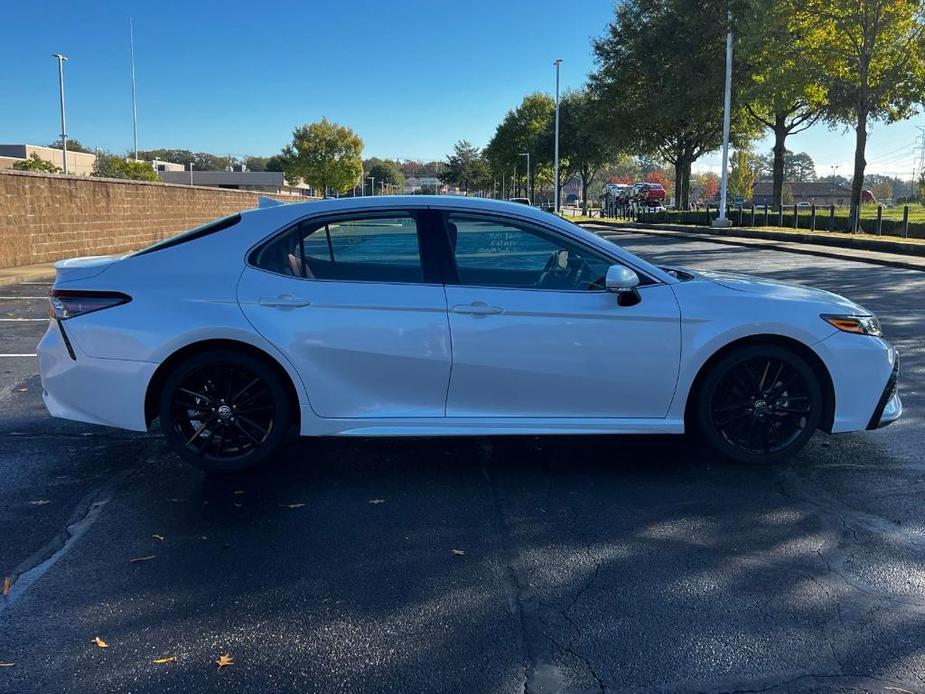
(283, 301)
(478, 308)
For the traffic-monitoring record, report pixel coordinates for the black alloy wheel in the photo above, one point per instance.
(760, 404)
(224, 410)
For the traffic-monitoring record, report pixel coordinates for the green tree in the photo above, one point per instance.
(466, 167)
(72, 146)
(36, 163)
(325, 155)
(870, 55)
(920, 187)
(524, 129)
(114, 166)
(256, 163)
(743, 174)
(176, 156)
(583, 142)
(384, 171)
(783, 91)
(660, 76)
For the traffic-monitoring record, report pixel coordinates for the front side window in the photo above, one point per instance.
(383, 248)
(499, 253)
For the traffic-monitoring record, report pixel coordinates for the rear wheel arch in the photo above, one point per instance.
(156, 384)
(801, 349)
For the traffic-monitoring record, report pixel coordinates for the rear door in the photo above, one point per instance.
(353, 304)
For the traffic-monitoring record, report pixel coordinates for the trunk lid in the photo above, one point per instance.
(83, 268)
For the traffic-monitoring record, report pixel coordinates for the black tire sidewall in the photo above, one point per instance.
(707, 392)
(260, 369)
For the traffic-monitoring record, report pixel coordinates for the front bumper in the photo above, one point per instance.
(110, 392)
(890, 407)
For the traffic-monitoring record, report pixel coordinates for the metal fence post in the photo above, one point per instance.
(905, 221)
(879, 220)
(796, 216)
(832, 217)
(780, 216)
(812, 224)
(766, 214)
(707, 208)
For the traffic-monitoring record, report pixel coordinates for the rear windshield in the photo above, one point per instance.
(193, 234)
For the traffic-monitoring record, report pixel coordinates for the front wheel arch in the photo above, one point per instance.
(156, 384)
(807, 353)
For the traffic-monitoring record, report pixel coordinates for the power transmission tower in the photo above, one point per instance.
(919, 169)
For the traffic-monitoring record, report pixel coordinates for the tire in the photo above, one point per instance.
(759, 404)
(224, 410)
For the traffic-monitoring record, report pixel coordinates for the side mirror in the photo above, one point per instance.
(621, 279)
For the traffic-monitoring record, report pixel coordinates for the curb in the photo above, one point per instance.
(804, 245)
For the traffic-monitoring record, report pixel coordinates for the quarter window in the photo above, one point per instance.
(383, 248)
(499, 253)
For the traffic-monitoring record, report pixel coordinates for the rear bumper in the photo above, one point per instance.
(110, 392)
(890, 407)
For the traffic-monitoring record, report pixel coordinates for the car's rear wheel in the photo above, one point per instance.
(759, 404)
(223, 410)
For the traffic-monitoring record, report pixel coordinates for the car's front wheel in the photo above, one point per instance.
(223, 410)
(759, 404)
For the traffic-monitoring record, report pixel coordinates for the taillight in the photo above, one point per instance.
(67, 303)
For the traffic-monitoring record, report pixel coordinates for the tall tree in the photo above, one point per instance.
(325, 155)
(384, 171)
(870, 55)
(743, 174)
(783, 91)
(661, 74)
(465, 167)
(524, 130)
(72, 146)
(583, 142)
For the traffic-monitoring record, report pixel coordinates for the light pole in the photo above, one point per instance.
(131, 34)
(372, 185)
(61, 60)
(436, 178)
(527, 155)
(191, 173)
(834, 168)
(721, 220)
(555, 168)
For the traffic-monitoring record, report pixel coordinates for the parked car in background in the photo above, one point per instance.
(447, 316)
(522, 201)
(648, 194)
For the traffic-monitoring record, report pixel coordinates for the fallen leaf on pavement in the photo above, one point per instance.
(39, 502)
(7, 582)
(159, 538)
(7, 664)
(239, 491)
(166, 659)
(224, 660)
(457, 552)
(377, 501)
(99, 642)
(137, 559)
(291, 505)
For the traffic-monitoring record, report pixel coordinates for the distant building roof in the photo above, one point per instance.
(225, 178)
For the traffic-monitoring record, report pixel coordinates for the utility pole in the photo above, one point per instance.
(721, 220)
(555, 175)
(131, 34)
(527, 155)
(191, 173)
(372, 185)
(61, 60)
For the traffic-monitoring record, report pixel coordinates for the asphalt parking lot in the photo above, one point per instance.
(556, 564)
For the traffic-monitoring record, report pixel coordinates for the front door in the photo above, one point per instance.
(350, 302)
(536, 335)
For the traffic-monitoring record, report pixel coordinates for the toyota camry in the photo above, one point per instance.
(439, 316)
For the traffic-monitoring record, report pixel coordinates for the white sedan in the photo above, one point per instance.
(430, 316)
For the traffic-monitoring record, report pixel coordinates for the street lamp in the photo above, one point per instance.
(61, 60)
(527, 155)
(721, 220)
(372, 185)
(555, 171)
(834, 168)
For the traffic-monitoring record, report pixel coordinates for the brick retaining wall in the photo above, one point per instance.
(48, 217)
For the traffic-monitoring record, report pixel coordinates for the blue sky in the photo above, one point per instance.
(409, 76)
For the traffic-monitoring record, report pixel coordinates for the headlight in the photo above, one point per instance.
(862, 325)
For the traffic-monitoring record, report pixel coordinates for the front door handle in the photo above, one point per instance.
(283, 301)
(478, 308)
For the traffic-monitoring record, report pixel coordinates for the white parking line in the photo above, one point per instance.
(8, 298)
(42, 284)
(17, 355)
(10, 320)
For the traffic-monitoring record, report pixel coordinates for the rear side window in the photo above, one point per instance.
(381, 248)
(193, 234)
